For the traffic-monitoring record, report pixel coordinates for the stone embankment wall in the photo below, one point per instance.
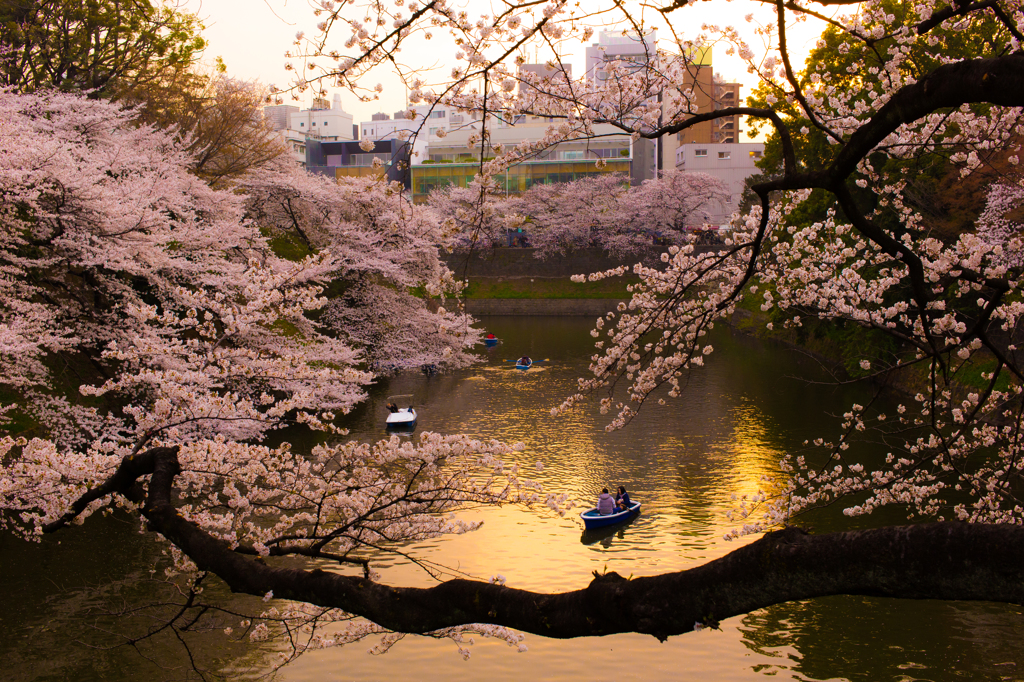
(578, 307)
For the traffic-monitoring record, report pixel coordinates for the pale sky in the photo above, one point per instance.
(252, 36)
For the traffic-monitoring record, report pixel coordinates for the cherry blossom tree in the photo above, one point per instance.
(998, 225)
(566, 217)
(384, 251)
(603, 211)
(598, 211)
(151, 285)
(472, 218)
(191, 340)
(208, 340)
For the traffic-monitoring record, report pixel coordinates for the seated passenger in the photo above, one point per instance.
(622, 499)
(605, 503)
(392, 408)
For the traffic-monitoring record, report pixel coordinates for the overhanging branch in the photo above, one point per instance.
(926, 561)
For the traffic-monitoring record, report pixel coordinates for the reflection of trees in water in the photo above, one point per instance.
(869, 639)
(99, 595)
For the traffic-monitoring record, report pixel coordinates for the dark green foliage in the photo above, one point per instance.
(104, 47)
(846, 63)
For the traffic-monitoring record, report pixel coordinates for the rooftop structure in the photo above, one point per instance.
(623, 47)
(322, 121)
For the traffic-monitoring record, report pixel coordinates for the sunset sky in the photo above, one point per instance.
(253, 35)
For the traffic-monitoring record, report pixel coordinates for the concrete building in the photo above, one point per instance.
(429, 125)
(450, 159)
(320, 122)
(711, 93)
(732, 162)
(277, 114)
(623, 48)
(444, 146)
(346, 158)
(726, 129)
(633, 52)
(382, 127)
(323, 121)
(548, 72)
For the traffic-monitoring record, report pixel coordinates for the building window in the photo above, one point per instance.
(325, 123)
(302, 125)
(756, 155)
(724, 155)
(700, 152)
(367, 159)
(436, 114)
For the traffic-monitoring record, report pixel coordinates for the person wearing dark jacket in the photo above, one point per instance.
(622, 500)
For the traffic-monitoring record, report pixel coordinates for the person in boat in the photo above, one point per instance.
(392, 408)
(491, 336)
(622, 500)
(605, 503)
(525, 360)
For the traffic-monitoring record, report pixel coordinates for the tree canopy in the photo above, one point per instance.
(147, 55)
(196, 339)
(104, 47)
(598, 211)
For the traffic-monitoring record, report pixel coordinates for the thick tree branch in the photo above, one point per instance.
(927, 561)
(997, 81)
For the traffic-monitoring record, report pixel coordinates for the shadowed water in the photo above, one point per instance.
(683, 460)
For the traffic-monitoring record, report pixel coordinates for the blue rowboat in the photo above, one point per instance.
(524, 365)
(491, 341)
(593, 519)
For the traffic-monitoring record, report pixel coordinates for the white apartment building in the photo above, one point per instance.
(383, 127)
(323, 121)
(732, 162)
(326, 122)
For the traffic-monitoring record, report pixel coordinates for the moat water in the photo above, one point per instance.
(683, 460)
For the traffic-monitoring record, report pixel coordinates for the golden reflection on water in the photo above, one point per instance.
(683, 460)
